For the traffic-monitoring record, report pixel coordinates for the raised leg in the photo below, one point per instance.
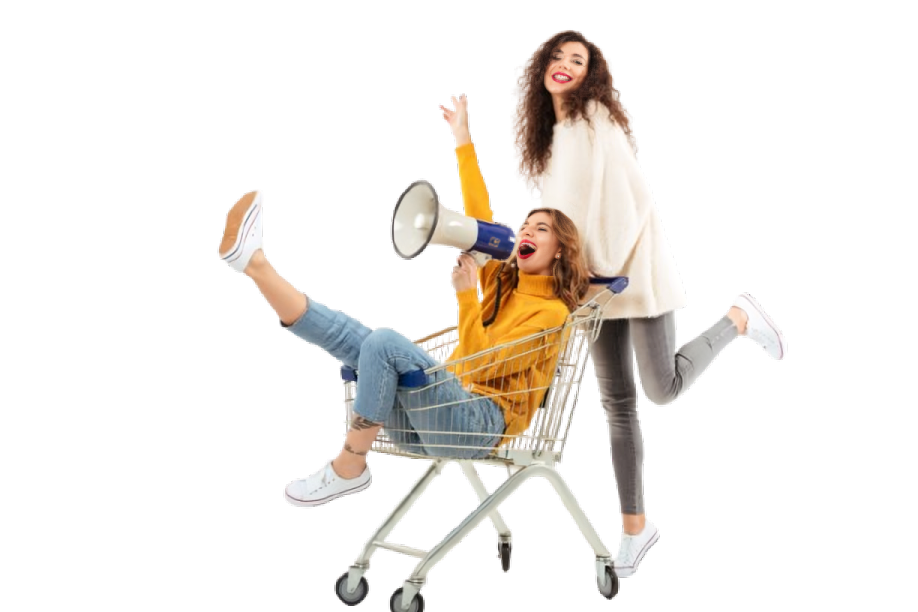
(289, 303)
(665, 372)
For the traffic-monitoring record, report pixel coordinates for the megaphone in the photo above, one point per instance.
(420, 220)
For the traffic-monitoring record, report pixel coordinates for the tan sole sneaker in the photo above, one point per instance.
(242, 236)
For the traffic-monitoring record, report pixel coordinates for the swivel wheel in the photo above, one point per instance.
(504, 549)
(610, 589)
(351, 599)
(395, 603)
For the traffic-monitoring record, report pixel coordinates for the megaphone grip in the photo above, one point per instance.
(481, 259)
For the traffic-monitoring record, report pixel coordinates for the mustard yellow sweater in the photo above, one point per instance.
(514, 377)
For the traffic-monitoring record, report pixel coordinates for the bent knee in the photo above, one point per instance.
(379, 339)
(662, 392)
(398, 351)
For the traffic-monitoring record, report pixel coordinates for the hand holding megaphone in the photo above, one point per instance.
(420, 220)
(465, 273)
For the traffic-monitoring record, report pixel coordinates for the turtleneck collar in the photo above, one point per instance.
(537, 285)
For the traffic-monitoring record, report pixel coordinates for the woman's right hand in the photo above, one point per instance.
(458, 120)
(465, 274)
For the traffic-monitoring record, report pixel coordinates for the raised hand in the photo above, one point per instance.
(458, 120)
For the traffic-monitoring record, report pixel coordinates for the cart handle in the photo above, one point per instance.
(418, 378)
(616, 284)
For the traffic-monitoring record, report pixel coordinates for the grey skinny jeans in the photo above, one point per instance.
(665, 375)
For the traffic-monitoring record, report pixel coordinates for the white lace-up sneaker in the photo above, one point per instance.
(760, 328)
(324, 486)
(633, 549)
(242, 235)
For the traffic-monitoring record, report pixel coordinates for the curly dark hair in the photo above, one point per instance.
(536, 114)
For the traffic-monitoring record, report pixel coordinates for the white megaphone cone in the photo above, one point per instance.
(420, 220)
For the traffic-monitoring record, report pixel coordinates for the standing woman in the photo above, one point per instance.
(576, 145)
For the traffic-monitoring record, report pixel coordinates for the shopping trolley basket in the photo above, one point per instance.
(533, 452)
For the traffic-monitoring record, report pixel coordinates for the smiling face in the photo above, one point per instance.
(567, 68)
(537, 245)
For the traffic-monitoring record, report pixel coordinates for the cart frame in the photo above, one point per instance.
(533, 453)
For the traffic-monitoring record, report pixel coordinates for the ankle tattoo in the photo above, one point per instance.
(349, 449)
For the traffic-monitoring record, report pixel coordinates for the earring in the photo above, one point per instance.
(558, 256)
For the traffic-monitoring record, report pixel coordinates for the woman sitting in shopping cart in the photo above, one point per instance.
(467, 412)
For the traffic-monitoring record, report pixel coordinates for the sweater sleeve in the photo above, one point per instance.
(511, 359)
(475, 199)
(474, 192)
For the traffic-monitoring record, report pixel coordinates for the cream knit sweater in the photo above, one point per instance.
(594, 178)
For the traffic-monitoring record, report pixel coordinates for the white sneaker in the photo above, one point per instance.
(760, 327)
(633, 549)
(242, 235)
(324, 486)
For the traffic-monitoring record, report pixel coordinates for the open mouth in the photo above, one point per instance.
(526, 249)
(560, 77)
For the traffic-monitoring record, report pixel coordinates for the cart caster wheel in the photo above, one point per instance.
(351, 599)
(611, 588)
(504, 548)
(395, 603)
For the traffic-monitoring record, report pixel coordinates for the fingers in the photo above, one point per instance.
(464, 274)
(460, 102)
(467, 262)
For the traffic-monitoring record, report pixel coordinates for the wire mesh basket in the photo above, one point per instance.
(424, 423)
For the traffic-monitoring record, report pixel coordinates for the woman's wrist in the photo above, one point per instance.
(462, 137)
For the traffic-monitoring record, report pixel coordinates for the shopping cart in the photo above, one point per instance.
(531, 453)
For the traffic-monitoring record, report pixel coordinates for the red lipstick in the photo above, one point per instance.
(528, 253)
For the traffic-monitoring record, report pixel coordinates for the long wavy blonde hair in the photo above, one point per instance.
(532, 119)
(571, 273)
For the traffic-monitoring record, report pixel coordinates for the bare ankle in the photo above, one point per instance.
(256, 263)
(633, 524)
(739, 318)
(348, 468)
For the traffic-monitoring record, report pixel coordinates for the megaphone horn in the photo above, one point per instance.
(420, 220)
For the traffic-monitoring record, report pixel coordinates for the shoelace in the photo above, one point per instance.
(626, 552)
(326, 479)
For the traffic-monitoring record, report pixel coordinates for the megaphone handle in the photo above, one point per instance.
(480, 258)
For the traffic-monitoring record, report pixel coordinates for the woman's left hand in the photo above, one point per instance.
(465, 273)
